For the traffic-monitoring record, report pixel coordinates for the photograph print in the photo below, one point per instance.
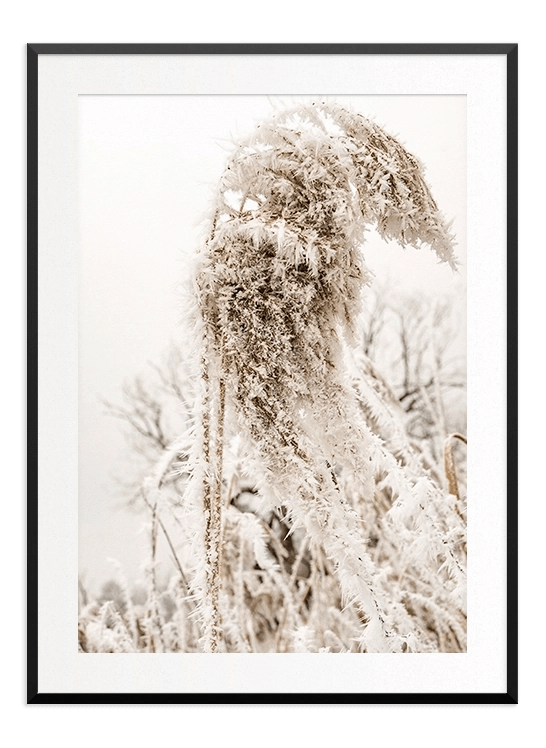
(272, 374)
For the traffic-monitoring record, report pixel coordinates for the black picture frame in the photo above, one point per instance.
(510, 53)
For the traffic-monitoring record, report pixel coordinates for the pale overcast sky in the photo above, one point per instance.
(148, 166)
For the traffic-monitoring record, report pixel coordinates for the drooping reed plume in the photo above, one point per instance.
(279, 290)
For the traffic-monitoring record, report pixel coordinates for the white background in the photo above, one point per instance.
(61, 240)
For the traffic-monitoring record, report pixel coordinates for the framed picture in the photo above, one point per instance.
(272, 373)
